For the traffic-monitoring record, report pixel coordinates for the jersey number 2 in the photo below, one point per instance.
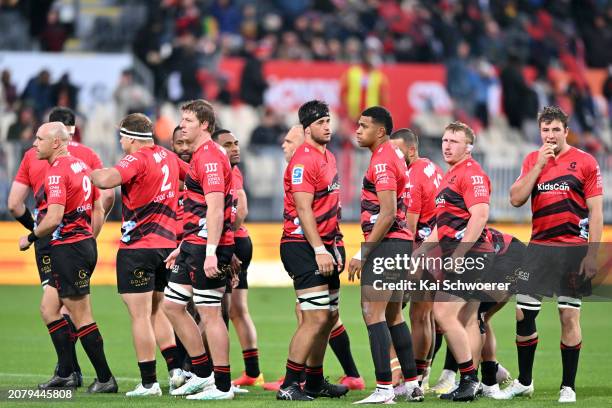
(165, 185)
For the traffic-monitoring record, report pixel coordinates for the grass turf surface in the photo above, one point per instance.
(28, 356)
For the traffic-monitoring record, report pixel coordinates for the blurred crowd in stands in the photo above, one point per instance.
(484, 44)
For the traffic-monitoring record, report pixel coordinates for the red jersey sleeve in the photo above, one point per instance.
(416, 193)
(212, 176)
(476, 188)
(384, 177)
(593, 182)
(527, 164)
(22, 172)
(129, 167)
(183, 168)
(55, 187)
(303, 176)
(94, 161)
(238, 179)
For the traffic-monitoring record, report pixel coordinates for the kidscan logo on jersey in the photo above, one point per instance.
(554, 186)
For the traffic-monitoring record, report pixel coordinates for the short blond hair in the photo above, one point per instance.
(457, 126)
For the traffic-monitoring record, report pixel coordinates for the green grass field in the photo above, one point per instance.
(28, 357)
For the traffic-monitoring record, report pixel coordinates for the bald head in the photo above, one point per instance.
(292, 140)
(57, 130)
(51, 140)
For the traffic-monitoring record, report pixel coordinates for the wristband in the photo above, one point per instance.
(32, 237)
(26, 220)
(320, 250)
(211, 249)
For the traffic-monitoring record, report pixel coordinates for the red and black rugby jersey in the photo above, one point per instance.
(149, 193)
(209, 172)
(238, 184)
(67, 183)
(463, 186)
(387, 171)
(558, 198)
(311, 171)
(32, 172)
(424, 178)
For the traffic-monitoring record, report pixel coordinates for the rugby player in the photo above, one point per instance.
(566, 191)
(149, 178)
(308, 251)
(462, 211)
(201, 265)
(383, 219)
(243, 247)
(30, 177)
(74, 217)
(424, 178)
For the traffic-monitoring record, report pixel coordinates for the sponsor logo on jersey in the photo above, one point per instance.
(554, 186)
(297, 175)
(210, 167)
(380, 168)
(77, 167)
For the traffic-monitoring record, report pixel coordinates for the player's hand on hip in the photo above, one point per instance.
(588, 267)
(24, 244)
(171, 259)
(325, 263)
(210, 267)
(354, 269)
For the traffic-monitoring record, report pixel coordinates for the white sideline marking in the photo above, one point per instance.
(46, 375)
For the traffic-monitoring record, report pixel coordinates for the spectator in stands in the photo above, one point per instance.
(185, 61)
(65, 93)
(485, 80)
(54, 35)
(597, 38)
(514, 91)
(607, 93)
(461, 80)
(18, 131)
(252, 81)
(38, 93)
(228, 16)
(21, 133)
(584, 119)
(132, 97)
(9, 91)
(269, 132)
(363, 85)
(151, 48)
(188, 19)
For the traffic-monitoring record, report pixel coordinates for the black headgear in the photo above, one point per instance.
(312, 111)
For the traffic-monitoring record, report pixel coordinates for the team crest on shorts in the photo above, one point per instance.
(297, 175)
